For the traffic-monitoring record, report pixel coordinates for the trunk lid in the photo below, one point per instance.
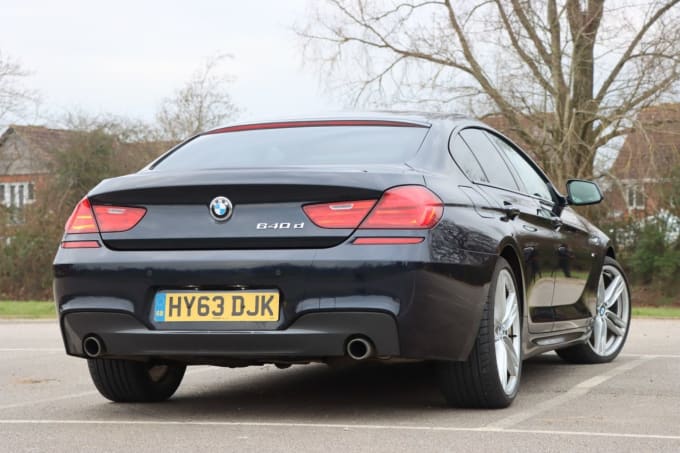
(267, 205)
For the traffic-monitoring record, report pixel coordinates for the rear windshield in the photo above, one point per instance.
(319, 145)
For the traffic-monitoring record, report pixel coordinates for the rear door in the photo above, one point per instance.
(570, 250)
(533, 228)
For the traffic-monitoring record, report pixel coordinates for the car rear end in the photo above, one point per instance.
(278, 242)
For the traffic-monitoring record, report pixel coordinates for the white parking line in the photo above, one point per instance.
(344, 427)
(31, 349)
(89, 393)
(47, 400)
(577, 391)
(653, 356)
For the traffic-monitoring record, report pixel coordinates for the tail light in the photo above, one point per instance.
(105, 219)
(82, 219)
(403, 207)
(115, 219)
(387, 240)
(347, 214)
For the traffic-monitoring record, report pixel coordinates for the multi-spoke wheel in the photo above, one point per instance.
(507, 331)
(491, 375)
(610, 322)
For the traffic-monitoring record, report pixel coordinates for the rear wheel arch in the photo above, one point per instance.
(610, 252)
(510, 254)
(487, 379)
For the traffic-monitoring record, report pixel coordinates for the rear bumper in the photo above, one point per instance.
(409, 304)
(312, 336)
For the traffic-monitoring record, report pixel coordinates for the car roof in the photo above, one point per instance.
(414, 117)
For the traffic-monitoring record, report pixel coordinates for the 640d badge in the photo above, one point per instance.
(280, 226)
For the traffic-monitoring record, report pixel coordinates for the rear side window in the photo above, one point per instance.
(489, 158)
(292, 146)
(466, 160)
(534, 183)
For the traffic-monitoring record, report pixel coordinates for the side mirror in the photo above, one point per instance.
(581, 193)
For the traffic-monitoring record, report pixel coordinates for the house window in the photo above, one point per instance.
(17, 195)
(636, 197)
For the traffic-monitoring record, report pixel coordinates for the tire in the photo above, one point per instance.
(478, 382)
(612, 313)
(127, 381)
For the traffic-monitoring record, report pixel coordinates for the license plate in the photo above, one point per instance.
(182, 306)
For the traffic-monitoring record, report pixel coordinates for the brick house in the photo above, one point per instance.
(24, 154)
(639, 177)
(643, 167)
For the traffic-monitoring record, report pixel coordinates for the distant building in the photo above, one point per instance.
(645, 163)
(24, 157)
(26, 154)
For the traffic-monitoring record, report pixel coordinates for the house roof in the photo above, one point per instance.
(32, 147)
(652, 150)
(40, 137)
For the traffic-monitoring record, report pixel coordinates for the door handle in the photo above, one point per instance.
(510, 211)
(556, 222)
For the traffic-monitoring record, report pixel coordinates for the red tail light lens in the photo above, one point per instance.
(82, 219)
(114, 219)
(80, 244)
(386, 240)
(405, 207)
(105, 219)
(346, 214)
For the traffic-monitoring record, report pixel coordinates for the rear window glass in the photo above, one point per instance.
(319, 145)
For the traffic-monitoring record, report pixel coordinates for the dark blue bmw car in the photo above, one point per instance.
(371, 237)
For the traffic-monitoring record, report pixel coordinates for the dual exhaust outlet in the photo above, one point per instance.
(92, 346)
(358, 348)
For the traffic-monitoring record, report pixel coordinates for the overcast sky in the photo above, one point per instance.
(123, 57)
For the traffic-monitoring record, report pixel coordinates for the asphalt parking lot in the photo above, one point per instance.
(47, 403)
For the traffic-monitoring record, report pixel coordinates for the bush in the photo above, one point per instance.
(649, 250)
(27, 249)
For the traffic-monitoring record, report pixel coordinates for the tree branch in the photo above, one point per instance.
(602, 92)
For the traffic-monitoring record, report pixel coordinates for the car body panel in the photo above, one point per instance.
(429, 296)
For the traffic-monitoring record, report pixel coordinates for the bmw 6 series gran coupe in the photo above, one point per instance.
(371, 237)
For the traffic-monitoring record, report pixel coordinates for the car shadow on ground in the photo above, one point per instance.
(308, 392)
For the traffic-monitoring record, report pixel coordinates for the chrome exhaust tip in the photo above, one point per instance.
(92, 347)
(359, 348)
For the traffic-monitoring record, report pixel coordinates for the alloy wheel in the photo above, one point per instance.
(612, 313)
(507, 332)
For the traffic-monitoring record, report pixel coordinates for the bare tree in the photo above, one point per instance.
(15, 98)
(203, 102)
(566, 77)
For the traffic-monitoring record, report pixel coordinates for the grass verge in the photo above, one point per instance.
(657, 312)
(27, 309)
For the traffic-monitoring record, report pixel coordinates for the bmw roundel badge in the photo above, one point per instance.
(221, 209)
